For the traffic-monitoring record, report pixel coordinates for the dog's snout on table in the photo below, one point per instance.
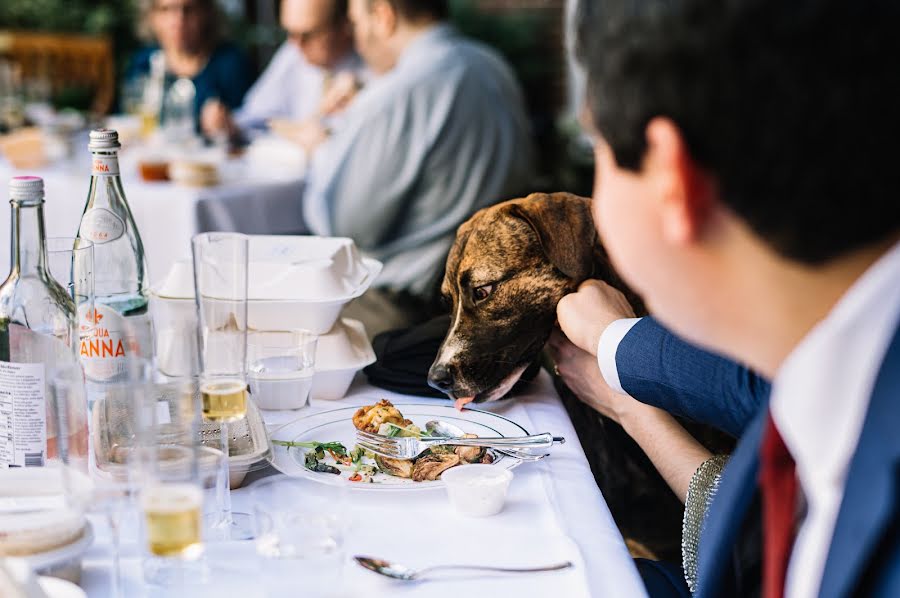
(442, 377)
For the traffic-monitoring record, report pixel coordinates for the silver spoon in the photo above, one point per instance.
(448, 430)
(398, 571)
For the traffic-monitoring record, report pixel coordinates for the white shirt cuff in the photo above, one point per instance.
(607, 347)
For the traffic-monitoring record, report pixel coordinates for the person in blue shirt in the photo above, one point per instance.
(187, 40)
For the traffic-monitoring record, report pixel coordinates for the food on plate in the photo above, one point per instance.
(371, 418)
(385, 419)
(401, 468)
(316, 453)
(430, 467)
(470, 454)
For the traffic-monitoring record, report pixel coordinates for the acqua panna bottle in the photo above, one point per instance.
(120, 325)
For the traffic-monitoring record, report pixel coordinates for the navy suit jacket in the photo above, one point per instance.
(864, 558)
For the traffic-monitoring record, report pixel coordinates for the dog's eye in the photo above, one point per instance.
(481, 293)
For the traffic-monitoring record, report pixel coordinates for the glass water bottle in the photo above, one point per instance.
(38, 337)
(119, 324)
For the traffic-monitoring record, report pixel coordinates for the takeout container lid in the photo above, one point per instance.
(294, 281)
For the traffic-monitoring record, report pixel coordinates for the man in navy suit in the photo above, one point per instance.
(746, 188)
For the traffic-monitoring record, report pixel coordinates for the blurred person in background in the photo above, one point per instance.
(439, 132)
(312, 76)
(187, 42)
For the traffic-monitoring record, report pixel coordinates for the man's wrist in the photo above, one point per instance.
(606, 351)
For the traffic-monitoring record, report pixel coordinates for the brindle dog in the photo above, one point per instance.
(509, 267)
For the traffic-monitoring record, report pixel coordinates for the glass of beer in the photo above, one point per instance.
(220, 283)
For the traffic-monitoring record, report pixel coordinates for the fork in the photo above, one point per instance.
(407, 447)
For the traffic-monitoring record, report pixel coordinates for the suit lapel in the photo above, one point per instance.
(729, 509)
(870, 493)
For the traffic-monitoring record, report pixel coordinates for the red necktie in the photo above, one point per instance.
(778, 482)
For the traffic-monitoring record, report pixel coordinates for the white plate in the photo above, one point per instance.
(337, 425)
(63, 554)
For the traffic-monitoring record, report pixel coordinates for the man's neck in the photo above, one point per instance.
(793, 299)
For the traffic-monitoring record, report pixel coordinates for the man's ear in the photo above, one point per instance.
(385, 16)
(685, 190)
(564, 227)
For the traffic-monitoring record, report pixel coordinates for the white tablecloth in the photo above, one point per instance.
(167, 215)
(554, 512)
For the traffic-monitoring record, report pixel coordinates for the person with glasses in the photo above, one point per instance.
(309, 80)
(187, 41)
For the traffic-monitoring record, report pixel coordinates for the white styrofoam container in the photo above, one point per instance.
(339, 355)
(294, 282)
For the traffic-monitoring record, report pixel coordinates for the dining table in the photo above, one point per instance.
(554, 513)
(167, 214)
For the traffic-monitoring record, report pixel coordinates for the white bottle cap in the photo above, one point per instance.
(26, 189)
(104, 139)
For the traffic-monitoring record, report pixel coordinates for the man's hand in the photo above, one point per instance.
(585, 314)
(339, 93)
(580, 372)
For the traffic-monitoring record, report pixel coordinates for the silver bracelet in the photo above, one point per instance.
(701, 491)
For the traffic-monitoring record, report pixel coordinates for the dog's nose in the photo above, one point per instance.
(441, 377)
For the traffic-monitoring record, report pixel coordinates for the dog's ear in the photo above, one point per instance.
(564, 225)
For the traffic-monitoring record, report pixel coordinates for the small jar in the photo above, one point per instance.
(477, 490)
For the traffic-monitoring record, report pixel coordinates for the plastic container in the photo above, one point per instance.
(294, 282)
(341, 353)
(477, 490)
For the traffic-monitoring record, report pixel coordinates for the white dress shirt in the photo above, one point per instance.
(606, 351)
(290, 87)
(819, 401)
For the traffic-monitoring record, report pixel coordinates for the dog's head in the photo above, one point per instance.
(509, 267)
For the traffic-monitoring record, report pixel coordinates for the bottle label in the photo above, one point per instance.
(23, 415)
(108, 338)
(100, 225)
(105, 166)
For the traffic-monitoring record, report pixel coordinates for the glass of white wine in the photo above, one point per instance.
(220, 283)
(171, 504)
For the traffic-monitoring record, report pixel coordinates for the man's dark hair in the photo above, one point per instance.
(792, 105)
(418, 10)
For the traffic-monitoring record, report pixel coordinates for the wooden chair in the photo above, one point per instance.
(65, 61)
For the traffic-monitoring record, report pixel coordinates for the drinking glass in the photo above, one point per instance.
(220, 283)
(174, 478)
(280, 365)
(67, 432)
(71, 262)
(300, 529)
(118, 425)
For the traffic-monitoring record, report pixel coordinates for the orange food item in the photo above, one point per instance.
(154, 170)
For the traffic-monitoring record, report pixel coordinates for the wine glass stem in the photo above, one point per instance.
(225, 485)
